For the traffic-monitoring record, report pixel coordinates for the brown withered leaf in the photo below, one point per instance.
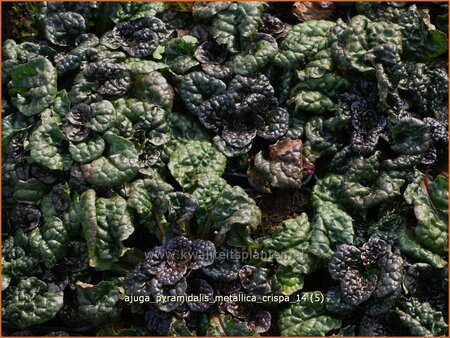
(305, 11)
(284, 167)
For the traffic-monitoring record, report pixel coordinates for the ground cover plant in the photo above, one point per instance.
(225, 168)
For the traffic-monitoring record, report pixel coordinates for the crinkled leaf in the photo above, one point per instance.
(33, 86)
(119, 165)
(47, 146)
(289, 281)
(50, 241)
(285, 167)
(365, 185)
(289, 245)
(98, 302)
(353, 43)
(421, 318)
(103, 77)
(222, 206)
(197, 87)
(64, 27)
(158, 289)
(102, 116)
(87, 151)
(11, 125)
(312, 101)
(306, 319)
(332, 227)
(154, 89)
(410, 246)
(17, 260)
(30, 191)
(179, 54)
(151, 119)
(106, 223)
(410, 136)
(203, 10)
(132, 10)
(260, 53)
(31, 302)
(141, 37)
(193, 160)
(139, 67)
(182, 208)
(302, 42)
(320, 140)
(430, 200)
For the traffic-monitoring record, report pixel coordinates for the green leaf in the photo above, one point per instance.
(410, 246)
(327, 190)
(332, 227)
(197, 87)
(17, 260)
(178, 328)
(354, 43)
(72, 218)
(139, 67)
(250, 17)
(224, 30)
(179, 54)
(153, 88)
(130, 11)
(257, 57)
(222, 207)
(365, 185)
(318, 85)
(106, 223)
(302, 42)
(50, 241)
(118, 165)
(31, 302)
(430, 200)
(30, 191)
(241, 237)
(289, 245)
(422, 41)
(33, 86)
(150, 199)
(184, 128)
(318, 137)
(320, 75)
(103, 116)
(158, 53)
(47, 146)
(421, 318)
(87, 151)
(410, 136)
(289, 281)
(225, 325)
(307, 318)
(61, 105)
(98, 302)
(11, 125)
(193, 160)
(151, 119)
(312, 101)
(205, 11)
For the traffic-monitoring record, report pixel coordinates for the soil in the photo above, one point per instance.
(278, 207)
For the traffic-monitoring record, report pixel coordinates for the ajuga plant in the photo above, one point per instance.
(225, 168)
